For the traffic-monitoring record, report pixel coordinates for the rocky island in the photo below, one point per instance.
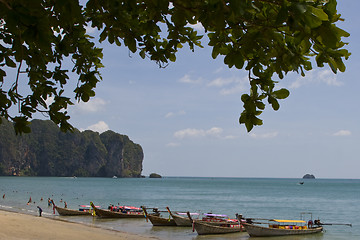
(47, 151)
(155, 175)
(308, 176)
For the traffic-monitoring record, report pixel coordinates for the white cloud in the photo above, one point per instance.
(317, 76)
(219, 70)
(99, 127)
(172, 144)
(220, 82)
(230, 85)
(174, 114)
(93, 105)
(235, 89)
(342, 133)
(192, 132)
(187, 79)
(215, 131)
(264, 135)
(189, 132)
(230, 137)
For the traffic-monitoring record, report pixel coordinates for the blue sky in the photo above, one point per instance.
(186, 116)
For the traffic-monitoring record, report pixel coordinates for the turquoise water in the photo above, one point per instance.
(331, 200)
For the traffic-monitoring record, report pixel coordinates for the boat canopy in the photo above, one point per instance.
(215, 215)
(287, 221)
(130, 208)
(87, 206)
(182, 213)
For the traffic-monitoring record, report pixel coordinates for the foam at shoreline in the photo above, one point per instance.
(16, 226)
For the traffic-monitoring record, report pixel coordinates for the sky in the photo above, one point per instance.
(186, 116)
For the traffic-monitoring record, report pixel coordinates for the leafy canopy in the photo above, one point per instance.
(267, 38)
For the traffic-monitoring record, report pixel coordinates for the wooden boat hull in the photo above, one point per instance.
(71, 212)
(203, 228)
(259, 231)
(160, 221)
(111, 214)
(181, 221)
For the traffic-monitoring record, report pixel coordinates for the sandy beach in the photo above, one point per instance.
(16, 226)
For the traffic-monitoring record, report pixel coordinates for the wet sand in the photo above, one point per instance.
(17, 226)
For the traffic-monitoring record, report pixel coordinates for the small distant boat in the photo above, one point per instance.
(182, 219)
(281, 228)
(203, 228)
(158, 220)
(114, 176)
(301, 183)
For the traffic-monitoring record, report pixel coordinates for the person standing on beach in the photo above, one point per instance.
(40, 211)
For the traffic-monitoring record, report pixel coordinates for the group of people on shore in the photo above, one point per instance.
(50, 203)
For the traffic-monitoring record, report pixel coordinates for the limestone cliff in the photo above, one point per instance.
(47, 151)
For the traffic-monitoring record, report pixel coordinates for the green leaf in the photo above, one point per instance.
(142, 54)
(274, 103)
(21, 125)
(260, 105)
(239, 61)
(281, 94)
(9, 62)
(340, 64)
(319, 13)
(332, 65)
(282, 15)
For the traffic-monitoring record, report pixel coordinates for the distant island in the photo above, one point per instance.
(309, 176)
(47, 151)
(155, 175)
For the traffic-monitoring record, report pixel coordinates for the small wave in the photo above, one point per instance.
(2, 206)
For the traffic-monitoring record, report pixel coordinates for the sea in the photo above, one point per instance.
(333, 201)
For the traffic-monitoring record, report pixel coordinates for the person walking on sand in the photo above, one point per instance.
(40, 211)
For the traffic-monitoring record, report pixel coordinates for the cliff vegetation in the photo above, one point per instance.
(47, 151)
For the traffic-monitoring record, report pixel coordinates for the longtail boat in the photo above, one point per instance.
(71, 212)
(216, 219)
(83, 210)
(182, 219)
(130, 213)
(203, 228)
(277, 227)
(158, 220)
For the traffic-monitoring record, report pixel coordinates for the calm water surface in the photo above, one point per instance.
(331, 200)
